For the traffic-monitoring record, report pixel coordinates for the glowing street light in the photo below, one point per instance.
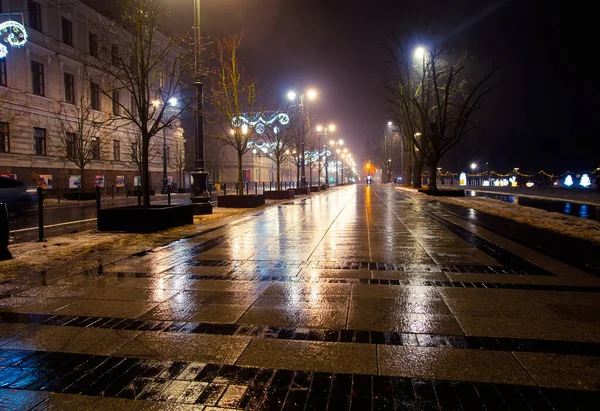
(473, 166)
(291, 95)
(419, 53)
(311, 94)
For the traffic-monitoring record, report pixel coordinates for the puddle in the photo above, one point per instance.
(586, 211)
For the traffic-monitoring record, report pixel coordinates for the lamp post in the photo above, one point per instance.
(172, 102)
(200, 197)
(323, 131)
(473, 168)
(311, 95)
(335, 145)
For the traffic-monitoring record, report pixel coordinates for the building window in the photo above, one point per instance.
(3, 72)
(67, 31)
(4, 137)
(37, 78)
(114, 54)
(115, 103)
(69, 88)
(132, 105)
(94, 96)
(117, 150)
(96, 148)
(93, 44)
(39, 140)
(70, 140)
(35, 15)
(134, 151)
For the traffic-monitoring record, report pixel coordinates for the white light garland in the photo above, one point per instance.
(13, 33)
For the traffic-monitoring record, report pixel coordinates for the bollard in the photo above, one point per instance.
(270, 186)
(113, 191)
(40, 201)
(169, 194)
(224, 189)
(58, 194)
(4, 253)
(139, 194)
(247, 188)
(98, 201)
(255, 187)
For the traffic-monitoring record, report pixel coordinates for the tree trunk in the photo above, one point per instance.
(81, 171)
(278, 184)
(416, 177)
(432, 186)
(145, 172)
(240, 179)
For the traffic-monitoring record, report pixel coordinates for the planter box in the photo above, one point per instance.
(315, 189)
(444, 193)
(323, 187)
(135, 219)
(302, 191)
(246, 201)
(74, 196)
(279, 194)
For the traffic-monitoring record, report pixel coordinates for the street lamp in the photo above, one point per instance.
(199, 196)
(419, 53)
(473, 167)
(172, 102)
(335, 144)
(323, 131)
(311, 95)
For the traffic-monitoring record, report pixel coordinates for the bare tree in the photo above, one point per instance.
(434, 102)
(233, 95)
(300, 125)
(82, 134)
(133, 153)
(214, 153)
(181, 159)
(388, 150)
(150, 67)
(278, 138)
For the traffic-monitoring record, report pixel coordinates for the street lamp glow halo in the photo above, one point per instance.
(473, 166)
(173, 101)
(332, 127)
(419, 53)
(319, 128)
(311, 94)
(291, 95)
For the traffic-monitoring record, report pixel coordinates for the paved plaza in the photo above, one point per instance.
(355, 298)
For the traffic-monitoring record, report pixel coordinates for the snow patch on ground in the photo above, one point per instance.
(576, 227)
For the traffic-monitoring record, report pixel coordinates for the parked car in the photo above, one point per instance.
(16, 195)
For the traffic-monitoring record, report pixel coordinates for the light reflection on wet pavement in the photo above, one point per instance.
(357, 298)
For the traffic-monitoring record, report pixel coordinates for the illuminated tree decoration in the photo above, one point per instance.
(258, 122)
(569, 181)
(12, 33)
(585, 181)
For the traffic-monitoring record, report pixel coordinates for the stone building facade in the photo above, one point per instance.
(48, 73)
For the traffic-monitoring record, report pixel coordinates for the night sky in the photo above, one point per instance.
(541, 116)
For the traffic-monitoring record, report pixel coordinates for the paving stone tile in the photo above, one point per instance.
(107, 308)
(128, 294)
(10, 332)
(562, 371)
(451, 364)
(111, 342)
(57, 338)
(522, 325)
(404, 322)
(289, 317)
(310, 356)
(186, 347)
(35, 305)
(21, 400)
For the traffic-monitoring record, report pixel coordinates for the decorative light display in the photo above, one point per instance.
(569, 181)
(259, 123)
(14, 34)
(529, 184)
(585, 181)
(463, 179)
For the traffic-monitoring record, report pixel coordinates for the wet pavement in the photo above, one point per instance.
(356, 298)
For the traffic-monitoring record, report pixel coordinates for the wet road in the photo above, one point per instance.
(357, 298)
